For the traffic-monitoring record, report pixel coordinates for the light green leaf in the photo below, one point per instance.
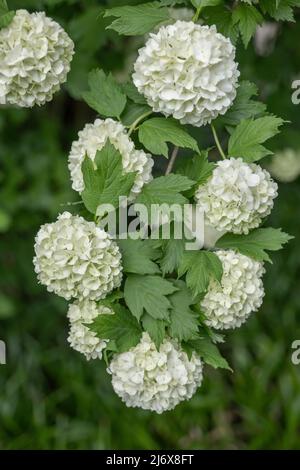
(200, 267)
(184, 322)
(246, 139)
(156, 132)
(165, 190)
(104, 179)
(208, 352)
(248, 18)
(148, 294)
(137, 20)
(155, 328)
(138, 256)
(105, 95)
(6, 16)
(256, 242)
(244, 107)
(121, 327)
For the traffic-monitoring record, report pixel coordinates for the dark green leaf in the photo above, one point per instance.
(246, 139)
(148, 294)
(209, 353)
(105, 95)
(200, 267)
(155, 328)
(244, 107)
(138, 256)
(105, 183)
(256, 242)
(156, 132)
(165, 190)
(139, 19)
(184, 322)
(120, 327)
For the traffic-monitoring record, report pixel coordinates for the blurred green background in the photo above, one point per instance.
(50, 397)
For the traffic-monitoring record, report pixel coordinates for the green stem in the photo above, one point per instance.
(197, 14)
(218, 142)
(133, 126)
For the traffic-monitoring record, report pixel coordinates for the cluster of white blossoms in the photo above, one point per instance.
(229, 304)
(155, 380)
(237, 197)
(285, 165)
(35, 57)
(81, 338)
(76, 259)
(94, 137)
(188, 71)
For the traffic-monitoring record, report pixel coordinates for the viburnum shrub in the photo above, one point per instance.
(153, 306)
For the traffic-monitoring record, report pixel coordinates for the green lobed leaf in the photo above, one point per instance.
(138, 256)
(244, 107)
(165, 190)
(121, 327)
(256, 243)
(200, 268)
(222, 17)
(282, 10)
(248, 18)
(104, 179)
(156, 132)
(139, 19)
(208, 352)
(155, 328)
(198, 168)
(132, 92)
(173, 251)
(184, 322)
(245, 141)
(6, 16)
(105, 95)
(148, 294)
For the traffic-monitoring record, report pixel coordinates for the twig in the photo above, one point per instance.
(172, 160)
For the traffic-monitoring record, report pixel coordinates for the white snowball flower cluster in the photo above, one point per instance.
(237, 196)
(228, 304)
(285, 165)
(76, 259)
(35, 57)
(94, 137)
(155, 380)
(188, 71)
(81, 338)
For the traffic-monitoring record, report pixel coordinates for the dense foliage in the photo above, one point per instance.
(50, 403)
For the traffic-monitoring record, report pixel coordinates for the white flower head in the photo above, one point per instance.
(94, 137)
(229, 304)
(155, 380)
(237, 197)
(81, 338)
(188, 71)
(285, 165)
(76, 259)
(35, 58)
